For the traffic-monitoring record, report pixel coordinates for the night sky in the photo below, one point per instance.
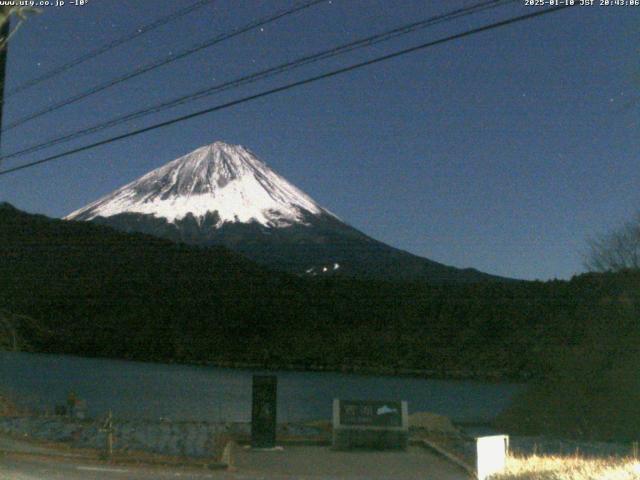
(503, 151)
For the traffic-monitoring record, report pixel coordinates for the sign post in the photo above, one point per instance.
(109, 430)
(264, 411)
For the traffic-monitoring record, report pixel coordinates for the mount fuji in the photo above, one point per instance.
(223, 194)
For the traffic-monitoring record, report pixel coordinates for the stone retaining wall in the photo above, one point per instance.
(183, 439)
(188, 439)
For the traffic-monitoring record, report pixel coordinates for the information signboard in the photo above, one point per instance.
(371, 413)
(370, 424)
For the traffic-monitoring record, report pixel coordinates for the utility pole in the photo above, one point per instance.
(4, 35)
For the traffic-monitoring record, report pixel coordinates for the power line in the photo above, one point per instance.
(285, 67)
(164, 61)
(109, 46)
(289, 86)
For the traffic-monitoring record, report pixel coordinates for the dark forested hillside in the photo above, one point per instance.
(320, 242)
(97, 291)
(591, 387)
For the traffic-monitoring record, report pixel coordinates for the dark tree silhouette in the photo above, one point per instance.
(615, 251)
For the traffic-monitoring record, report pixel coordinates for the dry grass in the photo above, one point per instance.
(569, 468)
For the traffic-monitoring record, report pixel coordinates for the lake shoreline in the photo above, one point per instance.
(222, 390)
(494, 376)
(400, 372)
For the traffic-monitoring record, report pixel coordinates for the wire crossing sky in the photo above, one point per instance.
(283, 88)
(502, 151)
(361, 43)
(109, 46)
(161, 62)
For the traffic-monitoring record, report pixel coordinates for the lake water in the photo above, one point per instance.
(181, 392)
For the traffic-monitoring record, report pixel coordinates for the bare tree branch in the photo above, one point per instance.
(14, 328)
(8, 333)
(615, 251)
(22, 13)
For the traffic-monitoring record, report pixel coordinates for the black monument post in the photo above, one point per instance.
(263, 411)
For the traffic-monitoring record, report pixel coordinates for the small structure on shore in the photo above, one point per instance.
(491, 455)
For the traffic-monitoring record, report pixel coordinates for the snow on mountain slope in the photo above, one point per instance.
(223, 194)
(222, 178)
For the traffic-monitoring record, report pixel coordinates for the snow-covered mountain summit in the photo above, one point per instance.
(223, 194)
(222, 178)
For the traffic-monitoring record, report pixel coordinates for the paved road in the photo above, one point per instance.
(15, 445)
(312, 463)
(22, 468)
(250, 466)
(324, 463)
